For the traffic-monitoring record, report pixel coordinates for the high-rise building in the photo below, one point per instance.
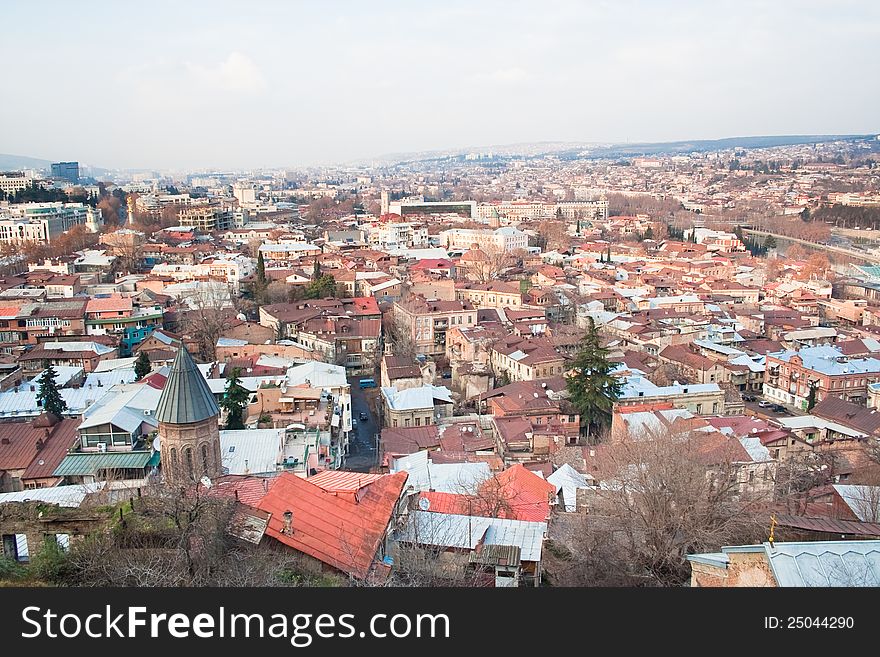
(68, 171)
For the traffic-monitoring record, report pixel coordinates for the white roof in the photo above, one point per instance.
(69, 496)
(425, 475)
(810, 421)
(864, 501)
(99, 349)
(124, 405)
(415, 398)
(116, 364)
(251, 451)
(460, 531)
(567, 480)
(318, 374)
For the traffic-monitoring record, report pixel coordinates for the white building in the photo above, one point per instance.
(44, 222)
(501, 239)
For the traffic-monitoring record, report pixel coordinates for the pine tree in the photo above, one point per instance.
(592, 388)
(142, 366)
(316, 270)
(649, 233)
(811, 396)
(234, 400)
(48, 397)
(261, 270)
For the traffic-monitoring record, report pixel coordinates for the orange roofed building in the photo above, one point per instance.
(343, 527)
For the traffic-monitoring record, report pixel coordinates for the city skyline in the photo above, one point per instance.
(215, 86)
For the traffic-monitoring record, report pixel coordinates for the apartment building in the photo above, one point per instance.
(505, 239)
(790, 375)
(525, 358)
(428, 320)
(498, 294)
(206, 218)
(45, 222)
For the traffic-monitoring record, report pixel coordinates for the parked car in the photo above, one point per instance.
(354, 423)
(749, 398)
(364, 417)
(764, 403)
(779, 408)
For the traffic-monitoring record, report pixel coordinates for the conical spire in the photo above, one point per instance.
(186, 397)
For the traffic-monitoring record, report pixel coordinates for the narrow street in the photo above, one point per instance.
(362, 442)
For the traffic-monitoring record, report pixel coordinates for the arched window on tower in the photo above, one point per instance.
(190, 469)
(206, 465)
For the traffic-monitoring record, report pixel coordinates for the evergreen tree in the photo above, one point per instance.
(261, 270)
(316, 270)
(608, 256)
(811, 396)
(769, 243)
(142, 366)
(322, 287)
(48, 397)
(235, 400)
(649, 234)
(592, 388)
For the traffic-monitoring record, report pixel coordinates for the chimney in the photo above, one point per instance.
(288, 523)
(4, 441)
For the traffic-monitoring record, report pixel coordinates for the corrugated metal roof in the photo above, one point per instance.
(186, 397)
(89, 463)
(460, 531)
(825, 563)
(251, 451)
(69, 496)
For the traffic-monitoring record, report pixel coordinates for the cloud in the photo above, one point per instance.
(237, 73)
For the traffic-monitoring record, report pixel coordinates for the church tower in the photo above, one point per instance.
(189, 433)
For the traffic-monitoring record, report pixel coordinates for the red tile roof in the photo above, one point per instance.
(336, 530)
(19, 448)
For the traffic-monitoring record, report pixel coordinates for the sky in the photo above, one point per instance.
(201, 85)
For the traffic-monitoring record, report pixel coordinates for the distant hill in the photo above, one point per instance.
(577, 150)
(706, 145)
(15, 162)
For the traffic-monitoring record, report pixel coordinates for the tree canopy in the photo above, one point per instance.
(592, 388)
(235, 400)
(49, 397)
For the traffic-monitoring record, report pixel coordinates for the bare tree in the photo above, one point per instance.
(662, 499)
(210, 308)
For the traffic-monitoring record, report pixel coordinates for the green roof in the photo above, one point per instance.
(83, 463)
(186, 397)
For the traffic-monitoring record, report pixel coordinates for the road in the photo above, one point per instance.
(859, 255)
(767, 413)
(362, 441)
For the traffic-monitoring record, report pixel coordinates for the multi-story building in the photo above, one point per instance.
(428, 320)
(519, 358)
(206, 218)
(790, 375)
(68, 171)
(10, 183)
(505, 239)
(396, 234)
(498, 294)
(44, 222)
(229, 269)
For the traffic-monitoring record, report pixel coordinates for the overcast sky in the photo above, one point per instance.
(190, 84)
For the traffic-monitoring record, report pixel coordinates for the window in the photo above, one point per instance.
(190, 466)
(206, 465)
(418, 421)
(406, 422)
